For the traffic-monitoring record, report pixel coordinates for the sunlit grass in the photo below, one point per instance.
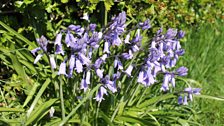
(205, 59)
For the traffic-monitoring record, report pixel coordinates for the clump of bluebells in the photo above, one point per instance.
(86, 52)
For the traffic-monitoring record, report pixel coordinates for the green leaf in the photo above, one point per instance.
(28, 65)
(209, 97)
(10, 122)
(41, 91)
(155, 100)
(93, 1)
(11, 109)
(31, 94)
(53, 122)
(108, 4)
(64, 1)
(19, 68)
(19, 36)
(106, 118)
(136, 120)
(40, 111)
(81, 103)
(79, 122)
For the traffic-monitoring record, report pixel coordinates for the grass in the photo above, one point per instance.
(205, 59)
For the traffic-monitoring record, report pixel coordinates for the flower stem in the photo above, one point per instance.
(61, 98)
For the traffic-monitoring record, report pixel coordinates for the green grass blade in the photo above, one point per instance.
(106, 118)
(82, 102)
(209, 97)
(41, 91)
(135, 120)
(155, 100)
(11, 109)
(39, 111)
(31, 94)
(19, 36)
(19, 68)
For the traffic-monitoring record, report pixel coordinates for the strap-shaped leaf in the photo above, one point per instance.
(41, 91)
(156, 99)
(19, 36)
(40, 111)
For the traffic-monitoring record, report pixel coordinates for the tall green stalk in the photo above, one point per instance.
(62, 98)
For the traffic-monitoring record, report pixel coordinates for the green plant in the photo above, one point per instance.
(205, 59)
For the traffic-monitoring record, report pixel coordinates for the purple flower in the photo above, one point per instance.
(38, 58)
(118, 22)
(98, 63)
(156, 69)
(137, 38)
(74, 27)
(100, 35)
(94, 40)
(111, 85)
(104, 57)
(129, 70)
(101, 92)
(88, 75)
(106, 47)
(172, 80)
(159, 31)
(182, 71)
(135, 48)
(128, 55)
(84, 59)
(71, 65)
(180, 100)
(79, 67)
(85, 16)
(34, 51)
(145, 25)
(149, 79)
(84, 85)
(59, 49)
(43, 43)
(92, 27)
(171, 33)
(141, 77)
(58, 44)
(62, 69)
(70, 40)
(90, 53)
(180, 52)
(127, 39)
(180, 34)
(192, 91)
(118, 64)
(185, 100)
(166, 80)
(52, 62)
(99, 73)
(116, 40)
(58, 39)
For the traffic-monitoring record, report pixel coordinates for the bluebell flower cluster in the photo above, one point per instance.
(188, 95)
(80, 47)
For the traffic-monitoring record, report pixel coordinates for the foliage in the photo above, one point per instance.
(125, 107)
(205, 58)
(29, 91)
